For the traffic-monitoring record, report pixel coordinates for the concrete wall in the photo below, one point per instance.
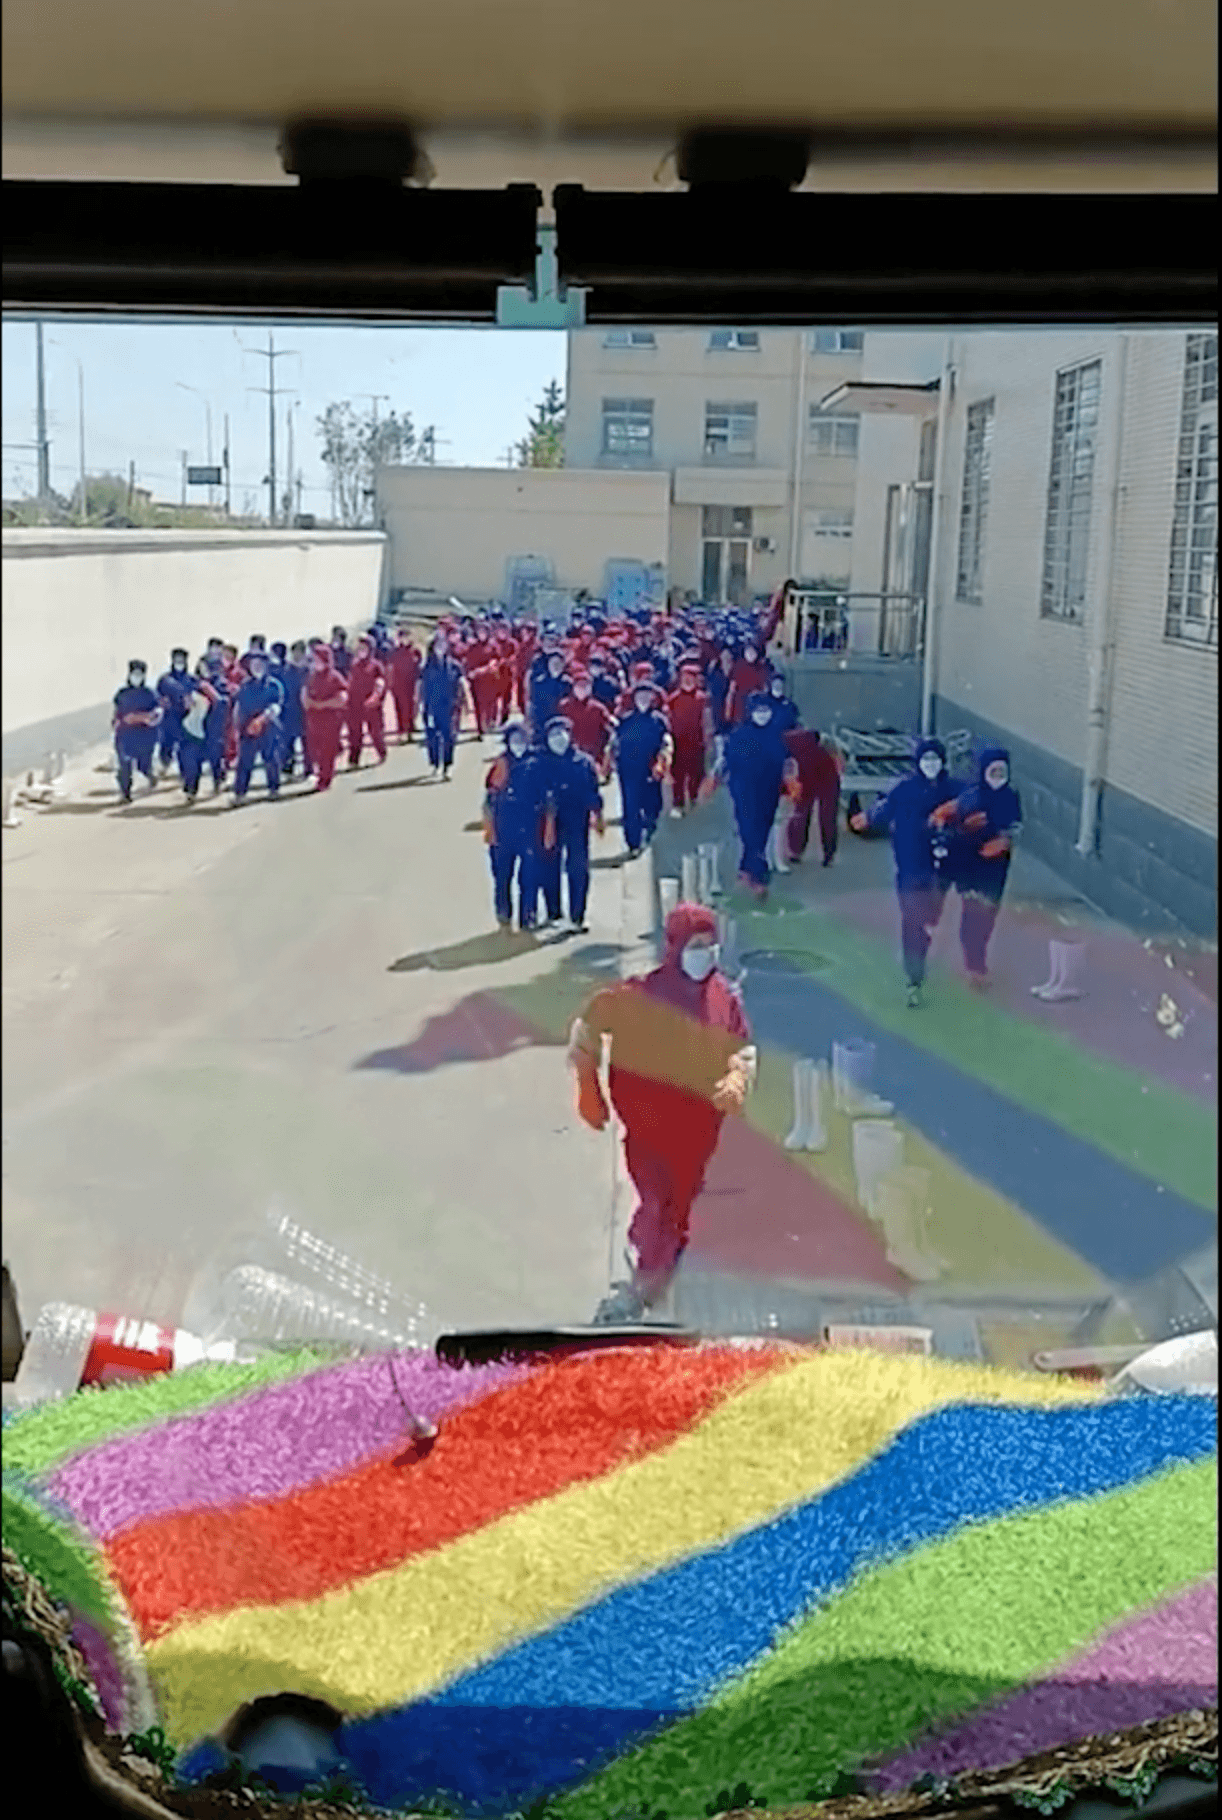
(79, 605)
(456, 528)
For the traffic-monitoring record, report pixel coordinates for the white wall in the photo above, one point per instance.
(79, 605)
(455, 529)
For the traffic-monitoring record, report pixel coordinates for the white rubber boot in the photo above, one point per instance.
(1067, 961)
(803, 1084)
(820, 1091)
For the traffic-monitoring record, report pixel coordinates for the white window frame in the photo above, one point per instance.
(630, 341)
(731, 432)
(624, 411)
(831, 522)
(1192, 582)
(737, 341)
(842, 341)
(726, 523)
(832, 433)
(1077, 400)
(974, 500)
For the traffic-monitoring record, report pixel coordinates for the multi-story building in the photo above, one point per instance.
(762, 482)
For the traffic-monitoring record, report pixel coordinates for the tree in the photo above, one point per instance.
(355, 444)
(543, 444)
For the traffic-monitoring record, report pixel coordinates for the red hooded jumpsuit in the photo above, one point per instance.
(403, 667)
(673, 1041)
(691, 724)
(366, 711)
(325, 699)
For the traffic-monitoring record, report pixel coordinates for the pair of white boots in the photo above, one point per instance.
(811, 1087)
(1066, 962)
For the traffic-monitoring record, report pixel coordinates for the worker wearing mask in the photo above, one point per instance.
(592, 723)
(757, 765)
(983, 825)
(341, 656)
(442, 692)
(174, 691)
(257, 707)
(137, 714)
(784, 711)
(366, 713)
(906, 814)
(513, 807)
(717, 685)
(572, 801)
(292, 720)
(750, 676)
(325, 704)
(690, 717)
(681, 1059)
(403, 672)
(818, 785)
(193, 744)
(642, 754)
(547, 692)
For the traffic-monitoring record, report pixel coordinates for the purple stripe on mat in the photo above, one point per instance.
(1151, 1667)
(105, 1671)
(269, 1444)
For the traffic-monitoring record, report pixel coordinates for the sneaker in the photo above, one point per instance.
(979, 982)
(916, 997)
(622, 1307)
(125, 796)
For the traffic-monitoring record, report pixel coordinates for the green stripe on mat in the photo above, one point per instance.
(919, 1640)
(63, 1563)
(37, 1440)
(1144, 1124)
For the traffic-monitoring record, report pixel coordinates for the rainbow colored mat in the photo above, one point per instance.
(629, 1579)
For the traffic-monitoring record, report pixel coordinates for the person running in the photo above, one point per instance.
(174, 691)
(403, 671)
(818, 784)
(137, 715)
(757, 765)
(983, 825)
(513, 808)
(442, 691)
(906, 814)
(325, 702)
(690, 717)
(366, 711)
(572, 801)
(642, 751)
(257, 709)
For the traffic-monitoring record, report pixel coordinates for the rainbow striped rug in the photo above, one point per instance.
(627, 1580)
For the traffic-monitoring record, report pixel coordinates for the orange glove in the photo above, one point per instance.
(993, 849)
(707, 787)
(498, 777)
(489, 829)
(978, 820)
(600, 826)
(945, 812)
(730, 1093)
(591, 1106)
(549, 830)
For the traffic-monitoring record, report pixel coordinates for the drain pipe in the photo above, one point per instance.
(799, 446)
(1101, 630)
(934, 567)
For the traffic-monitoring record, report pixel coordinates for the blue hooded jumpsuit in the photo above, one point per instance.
(784, 712)
(174, 691)
(513, 806)
(441, 692)
(920, 880)
(755, 760)
(981, 881)
(134, 746)
(546, 694)
(292, 721)
(258, 696)
(639, 741)
(215, 724)
(569, 785)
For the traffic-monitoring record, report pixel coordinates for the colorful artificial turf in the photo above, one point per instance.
(632, 1578)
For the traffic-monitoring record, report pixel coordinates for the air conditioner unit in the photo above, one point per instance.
(765, 546)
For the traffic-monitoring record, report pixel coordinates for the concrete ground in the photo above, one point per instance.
(208, 1011)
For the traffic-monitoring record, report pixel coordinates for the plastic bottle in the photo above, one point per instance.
(70, 1346)
(253, 1303)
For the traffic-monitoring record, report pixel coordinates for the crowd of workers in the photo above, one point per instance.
(672, 704)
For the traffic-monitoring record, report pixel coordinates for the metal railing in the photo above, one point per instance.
(879, 625)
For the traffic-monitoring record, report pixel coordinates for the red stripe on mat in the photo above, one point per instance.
(577, 1420)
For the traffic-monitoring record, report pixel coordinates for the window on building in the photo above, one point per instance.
(735, 340)
(729, 432)
(726, 521)
(628, 429)
(630, 338)
(831, 524)
(1075, 435)
(837, 341)
(974, 504)
(831, 434)
(1192, 595)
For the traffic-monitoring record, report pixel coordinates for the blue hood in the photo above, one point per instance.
(928, 745)
(1002, 807)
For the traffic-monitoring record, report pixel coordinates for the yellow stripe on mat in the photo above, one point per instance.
(407, 1632)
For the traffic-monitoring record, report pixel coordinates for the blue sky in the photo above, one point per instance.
(477, 385)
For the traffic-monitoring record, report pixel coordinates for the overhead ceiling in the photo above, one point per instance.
(639, 66)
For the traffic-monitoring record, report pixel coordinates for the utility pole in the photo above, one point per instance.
(271, 354)
(183, 453)
(227, 494)
(131, 486)
(44, 447)
(80, 380)
(289, 493)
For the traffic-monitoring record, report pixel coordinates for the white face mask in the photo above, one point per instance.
(643, 703)
(518, 747)
(136, 678)
(749, 654)
(555, 666)
(440, 647)
(930, 766)
(761, 717)
(997, 775)
(581, 691)
(698, 963)
(558, 743)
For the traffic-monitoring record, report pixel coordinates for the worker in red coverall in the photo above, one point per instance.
(403, 675)
(325, 700)
(483, 671)
(749, 677)
(592, 724)
(681, 1059)
(506, 651)
(818, 783)
(640, 676)
(525, 644)
(691, 726)
(235, 676)
(366, 710)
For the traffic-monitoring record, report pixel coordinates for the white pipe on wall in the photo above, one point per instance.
(934, 576)
(1101, 630)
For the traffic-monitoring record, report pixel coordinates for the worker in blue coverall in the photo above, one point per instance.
(642, 752)
(258, 708)
(442, 689)
(568, 781)
(216, 722)
(756, 762)
(137, 714)
(174, 691)
(982, 826)
(292, 720)
(547, 691)
(513, 808)
(784, 711)
(906, 813)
